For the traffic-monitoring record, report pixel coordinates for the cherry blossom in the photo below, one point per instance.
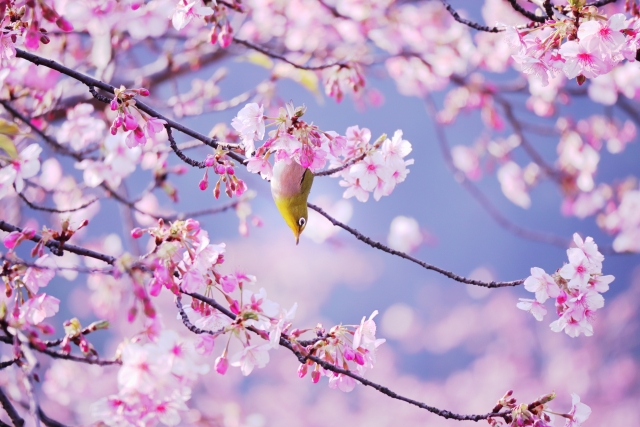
(24, 167)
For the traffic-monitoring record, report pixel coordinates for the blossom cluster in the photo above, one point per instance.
(123, 103)
(352, 349)
(364, 167)
(576, 287)
(184, 261)
(582, 43)
(538, 414)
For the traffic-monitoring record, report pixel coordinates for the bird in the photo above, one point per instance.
(290, 188)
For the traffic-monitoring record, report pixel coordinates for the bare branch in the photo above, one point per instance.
(467, 22)
(287, 343)
(342, 167)
(10, 410)
(53, 210)
(384, 248)
(284, 59)
(526, 13)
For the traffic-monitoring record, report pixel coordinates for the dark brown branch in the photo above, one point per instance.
(188, 160)
(59, 355)
(186, 322)
(8, 363)
(467, 22)
(53, 210)
(601, 3)
(48, 421)
(342, 167)
(548, 8)
(95, 83)
(285, 342)
(56, 247)
(384, 248)
(284, 59)
(529, 15)
(10, 410)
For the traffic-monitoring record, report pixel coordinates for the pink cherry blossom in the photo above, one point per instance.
(542, 284)
(534, 307)
(40, 275)
(250, 357)
(582, 60)
(578, 271)
(38, 308)
(186, 11)
(249, 123)
(579, 412)
(24, 167)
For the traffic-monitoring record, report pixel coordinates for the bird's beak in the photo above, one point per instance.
(297, 239)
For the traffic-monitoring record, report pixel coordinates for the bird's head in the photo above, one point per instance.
(294, 211)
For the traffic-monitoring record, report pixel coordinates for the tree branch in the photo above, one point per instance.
(285, 342)
(384, 248)
(526, 13)
(467, 22)
(10, 410)
(53, 210)
(284, 59)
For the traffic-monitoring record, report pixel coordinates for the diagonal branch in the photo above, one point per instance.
(288, 344)
(10, 410)
(384, 248)
(467, 22)
(270, 54)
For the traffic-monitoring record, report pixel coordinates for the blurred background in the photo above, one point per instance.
(450, 345)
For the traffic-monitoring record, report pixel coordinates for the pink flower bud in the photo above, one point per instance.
(221, 365)
(130, 122)
(11, 239)
(213, 35)
(135, 5)
(204, 183)
(114, 104)
(210, 160)
(137, 233)
(235, 307)
(118, 121)
(349, 354)
(216, 190)
(44, 39)
(64, 25)
(315, 376)
(113, 130)
(131, 315)
(143, 92)
(230, 170)
(226, 36)
(84, 345)
(220, 169)
(302, 370)
(192, 225)
(28, 233)
(359, 358)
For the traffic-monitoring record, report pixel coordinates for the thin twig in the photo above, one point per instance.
(53, 210)
(384, 248)
(284, 59)
(342, 167)
(56, 246)
(526, 13)
(469, 23)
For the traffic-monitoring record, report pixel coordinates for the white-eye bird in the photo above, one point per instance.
(290, 187)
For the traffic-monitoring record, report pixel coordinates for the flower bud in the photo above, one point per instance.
(137, 233)
(143, 92)
(114, 104)
(130, 122)
(216, 190)
(221, 365)
(349, 354)
(64, 25)
(359, 358)
(302, 370)
(11, 239)
(192, 225)
(315, 376)
(203, 184)
(44, 39)
(210, 161)
(225, 37)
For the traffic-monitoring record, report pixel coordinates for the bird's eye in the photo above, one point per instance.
(302, 222)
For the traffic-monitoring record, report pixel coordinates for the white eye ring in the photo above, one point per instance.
(302, 222)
